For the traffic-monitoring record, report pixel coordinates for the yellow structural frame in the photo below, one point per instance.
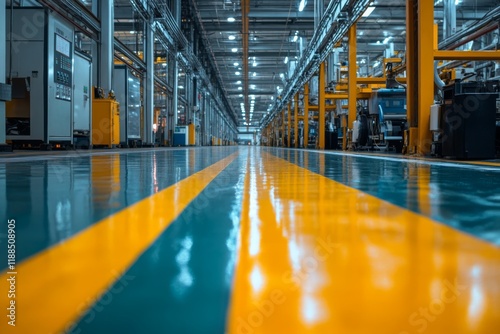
(288, 138)
(353, 88)
(306, 115)
(321, 106)
(296, 120)
(421, 52)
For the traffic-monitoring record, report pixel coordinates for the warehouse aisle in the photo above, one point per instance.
(252, 240)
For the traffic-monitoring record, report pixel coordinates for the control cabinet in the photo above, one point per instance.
(63, 68)
(41, 110)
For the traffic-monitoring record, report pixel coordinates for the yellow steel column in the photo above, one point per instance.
(306, 114)
(322, 106)
(283, 128)
(289, 125)
(296, 121)
(425, 73)
(412, 74)
(352, 76)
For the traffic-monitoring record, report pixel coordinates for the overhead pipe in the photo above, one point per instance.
(487, 24)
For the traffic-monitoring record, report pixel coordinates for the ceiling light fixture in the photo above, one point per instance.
(232, 37)
(234, 49)
(368, 11)
(231, 19)
(302, 5)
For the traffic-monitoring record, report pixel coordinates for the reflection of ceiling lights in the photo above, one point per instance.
(234, 49)
(237, 73)
(254, 74)
(238, 82)
(231, 19)
(286, 60)
(181, 87)
(231, 37)
(235, 64)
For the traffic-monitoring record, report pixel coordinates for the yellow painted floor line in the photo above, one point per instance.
(316, 256)
(58, 285)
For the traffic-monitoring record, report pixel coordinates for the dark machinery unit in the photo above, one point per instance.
(42, 78)
(468, 121)
(390, 107)
(381, 126)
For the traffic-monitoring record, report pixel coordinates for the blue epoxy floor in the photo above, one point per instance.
(182, 282)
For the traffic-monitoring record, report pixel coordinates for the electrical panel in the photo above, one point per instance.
(63, 67)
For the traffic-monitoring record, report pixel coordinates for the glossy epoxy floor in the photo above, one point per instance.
(251, 240)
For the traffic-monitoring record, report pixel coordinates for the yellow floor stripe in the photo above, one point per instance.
(320, 257)
(57, 285)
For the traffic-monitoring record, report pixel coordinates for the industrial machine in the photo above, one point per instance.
(105, 122)
(468, 121)
(181, 135)
(127, 88)
(40, 51)
(82, 105)
(381, 125)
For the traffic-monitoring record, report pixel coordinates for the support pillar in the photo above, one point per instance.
(425, 73)
(3, 146)
(106, 47)
(450, 18)
(352, 77)
(411, 76)
(420, 73)
(149, 87)
(175, 85)
(289, 126)
(306, 115)
(321, 106)
(283, 128)
(296, 121)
